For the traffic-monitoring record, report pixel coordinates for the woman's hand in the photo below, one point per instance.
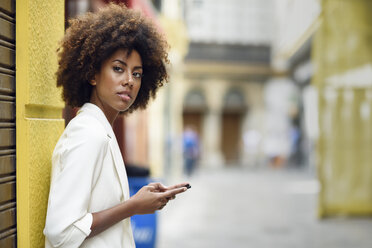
(155, 196)
(147, 200)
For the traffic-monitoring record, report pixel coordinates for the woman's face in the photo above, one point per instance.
(117, 83)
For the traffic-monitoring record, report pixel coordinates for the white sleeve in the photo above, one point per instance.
(75, 163)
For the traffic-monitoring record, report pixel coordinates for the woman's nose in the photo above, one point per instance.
(128, 79)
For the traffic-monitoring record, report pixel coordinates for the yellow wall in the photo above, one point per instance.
(342, 53)
(39, 27)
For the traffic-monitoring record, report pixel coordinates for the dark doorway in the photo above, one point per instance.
(231, 137)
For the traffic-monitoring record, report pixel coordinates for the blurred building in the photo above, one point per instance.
(325, 49)
(227, 62)
(276, 81)
(296, 23)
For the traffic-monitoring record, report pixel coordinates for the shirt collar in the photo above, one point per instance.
(95, 111)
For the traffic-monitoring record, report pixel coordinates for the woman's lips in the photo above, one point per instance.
(124, 96)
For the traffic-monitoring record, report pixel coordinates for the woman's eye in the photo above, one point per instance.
(117, 69)
(137, 75)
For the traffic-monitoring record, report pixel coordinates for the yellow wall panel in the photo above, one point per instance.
(39, 27)
(344, 38)
(46, 25)
(342, 52)
(43, 135)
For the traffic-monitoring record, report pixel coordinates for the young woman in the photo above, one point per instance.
(110, 62)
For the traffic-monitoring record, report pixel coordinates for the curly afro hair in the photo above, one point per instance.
(94, 37)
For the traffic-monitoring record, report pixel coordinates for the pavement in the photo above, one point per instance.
(263, 208)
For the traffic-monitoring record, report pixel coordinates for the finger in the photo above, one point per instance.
(155, 185)
(180, 185)
(173, 192)
(158, 186)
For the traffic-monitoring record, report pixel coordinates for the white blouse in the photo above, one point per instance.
(88, 175)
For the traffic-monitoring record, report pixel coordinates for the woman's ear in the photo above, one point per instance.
(93, 81)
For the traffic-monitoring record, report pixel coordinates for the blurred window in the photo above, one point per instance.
(195, 100)
(234, 100)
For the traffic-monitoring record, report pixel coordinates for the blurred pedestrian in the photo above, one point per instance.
(296, 139)
(110, 63)
(190, 149)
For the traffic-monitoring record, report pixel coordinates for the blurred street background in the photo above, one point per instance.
(267, 113)
(256, 208)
